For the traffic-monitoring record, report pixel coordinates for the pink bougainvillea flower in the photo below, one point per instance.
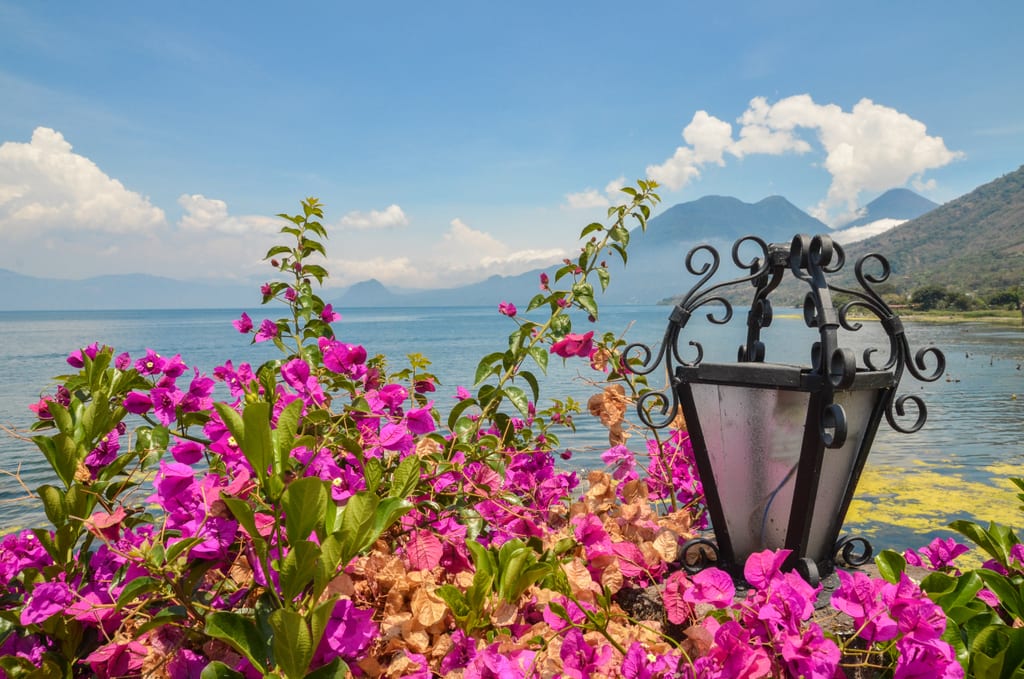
(339, 357)
(187, 452)
(267, 331)
(932, 659)
(544, 280)
(420, 420)
(297, 375)
(329, 315)
(574, 345)
(123, 361)
(138, 403)
(174, 367)
(244, 324)
(150, 364)
(165, 403)
(349, 632)
(47, 599)
(941, 553)
(461, 394)
(761, 567)
(711, 586)
(861, 597)
(508, 309)
(76, 360)
(580, 660)
(117, 659)
(290, 294)
(42, 408)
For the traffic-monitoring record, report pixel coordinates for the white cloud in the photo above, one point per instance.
(204, 214)
(587, 198)
(590, 198)
(858, 233)
(390, 217)
(462, 242)
(44, 185)
(870, 148)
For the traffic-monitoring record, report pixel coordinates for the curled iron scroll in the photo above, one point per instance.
(693, 555)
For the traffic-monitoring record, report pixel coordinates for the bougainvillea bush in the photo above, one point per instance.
(330, 513)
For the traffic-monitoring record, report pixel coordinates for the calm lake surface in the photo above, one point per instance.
(975, 413)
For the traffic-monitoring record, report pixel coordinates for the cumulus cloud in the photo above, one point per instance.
(45, 185)
(858, 233)
(589, 198)
(869, 148)
(390, 217)
(204, 214)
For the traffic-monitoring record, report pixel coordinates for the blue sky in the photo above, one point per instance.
(451, 141)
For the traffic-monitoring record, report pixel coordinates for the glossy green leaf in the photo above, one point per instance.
(891, 565)
(298, 568)
(519, 399)
(218, 670)
(406, 477)
(292, 643)
(305, 507)
(53, 504)
(540, 355)
(373, 473)
(240, 633)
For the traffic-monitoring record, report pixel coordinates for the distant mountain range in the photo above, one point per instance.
(657, 257)
(975, 242)
(128, 291)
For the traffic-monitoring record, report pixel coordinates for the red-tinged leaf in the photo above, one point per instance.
(423, 550)
(677, 608)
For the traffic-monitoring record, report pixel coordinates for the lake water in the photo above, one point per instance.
(972, 438)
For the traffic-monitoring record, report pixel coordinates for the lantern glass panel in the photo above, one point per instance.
(837, 466)
(753, 438)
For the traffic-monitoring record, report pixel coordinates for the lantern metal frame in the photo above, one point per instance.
(832, 378)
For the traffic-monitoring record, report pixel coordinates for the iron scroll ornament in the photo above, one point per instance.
(809, 260)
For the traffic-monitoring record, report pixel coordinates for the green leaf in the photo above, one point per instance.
(604, 277)
(135, 588)
(284, 437)
(536, 302)
(292, 642)
(1009, 594)
(406, 477)
(240, 633)
(305, 507)
(389, 510)
(257, 444)
(356, 522)
(488, 365)
(519, 399)
(218, 670)
(588, 303)
(891, 565)
(299, 568)
(458, 409)
(327, 565)
(540, 356)
(336, 669)
(531, 379)
(53, 504)
(243, 514)
(373, 473)
(591, 228)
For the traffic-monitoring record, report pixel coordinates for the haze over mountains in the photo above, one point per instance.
(973, 242)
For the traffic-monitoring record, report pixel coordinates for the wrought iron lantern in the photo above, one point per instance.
(780, 448)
